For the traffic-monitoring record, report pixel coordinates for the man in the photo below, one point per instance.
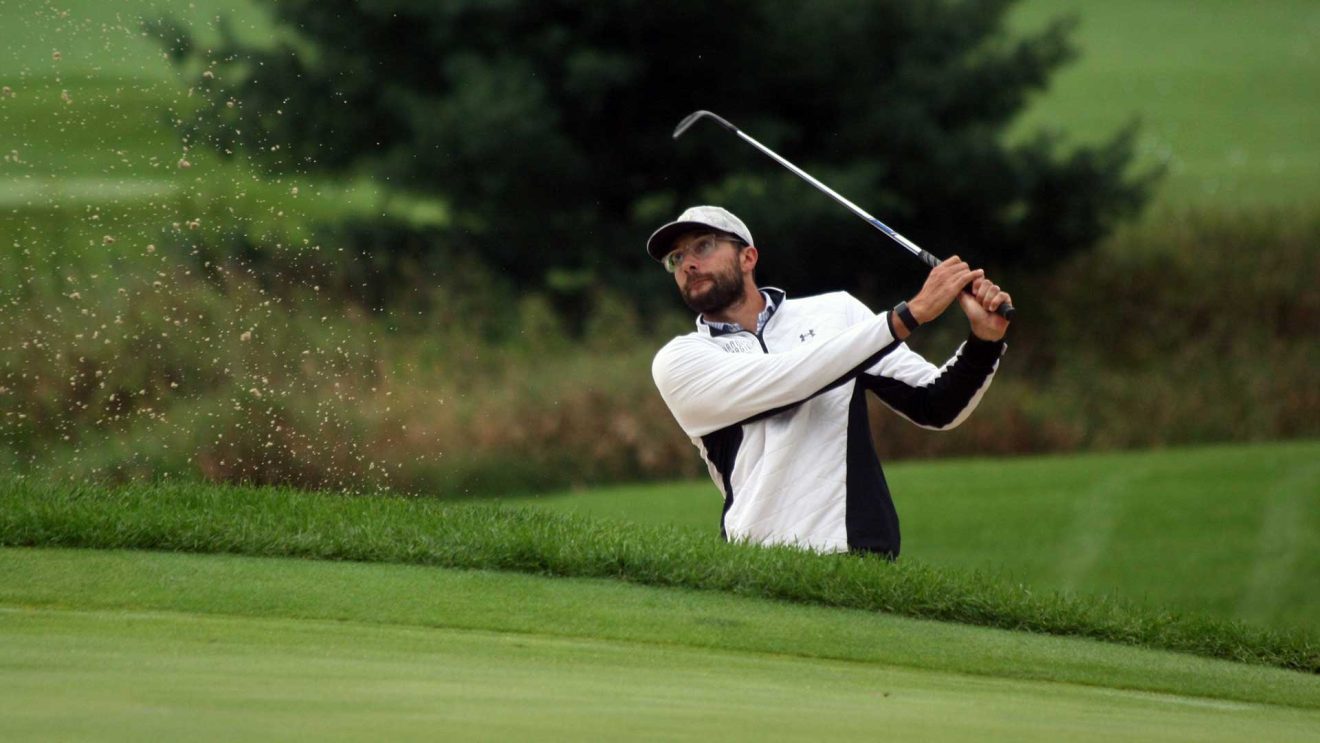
(771, 390)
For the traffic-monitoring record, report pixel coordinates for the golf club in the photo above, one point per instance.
(1005, 310)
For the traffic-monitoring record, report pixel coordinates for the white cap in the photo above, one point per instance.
(696, 218)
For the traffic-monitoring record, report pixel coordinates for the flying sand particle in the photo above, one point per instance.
(184, 164)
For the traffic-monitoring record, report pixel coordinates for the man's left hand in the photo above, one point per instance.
(980, 306)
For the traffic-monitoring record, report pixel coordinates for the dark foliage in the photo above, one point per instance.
(546, 125)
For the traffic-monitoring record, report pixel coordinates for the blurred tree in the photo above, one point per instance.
(546, 126)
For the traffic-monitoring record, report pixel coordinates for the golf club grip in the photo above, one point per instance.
(1004, 310)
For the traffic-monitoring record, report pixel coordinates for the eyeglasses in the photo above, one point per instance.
(701, 248)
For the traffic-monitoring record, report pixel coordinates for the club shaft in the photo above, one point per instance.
(1005, 310)
(804, 175)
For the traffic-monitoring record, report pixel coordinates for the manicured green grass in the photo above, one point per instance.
(116, 677)
(130, 644)
(100, 39)
(1227, 92)
(1225, 530)
(202, 518)
(91, 149)
(121, 88)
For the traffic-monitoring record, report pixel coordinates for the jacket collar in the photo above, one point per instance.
(774, 297)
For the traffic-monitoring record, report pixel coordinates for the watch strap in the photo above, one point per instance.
(905, 314)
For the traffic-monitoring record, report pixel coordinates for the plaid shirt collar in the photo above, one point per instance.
(772, 299)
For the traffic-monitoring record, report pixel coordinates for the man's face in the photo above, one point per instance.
(707, 271)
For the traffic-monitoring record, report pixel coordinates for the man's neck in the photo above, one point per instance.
(743, 312)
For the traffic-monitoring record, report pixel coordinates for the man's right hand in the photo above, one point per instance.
(942, 287)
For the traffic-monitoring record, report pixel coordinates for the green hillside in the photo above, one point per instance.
(1227, 93)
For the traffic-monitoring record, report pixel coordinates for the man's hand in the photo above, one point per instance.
(943, 284)
(980, 306)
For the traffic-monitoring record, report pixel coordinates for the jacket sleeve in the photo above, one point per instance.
(707, 388)
(934, 398)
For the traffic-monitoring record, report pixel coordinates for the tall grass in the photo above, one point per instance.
(273, 522)
(167, 363)
(120, 363)
(1196, 329)
(185, 362)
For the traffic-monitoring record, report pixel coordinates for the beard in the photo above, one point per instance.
(724, 288)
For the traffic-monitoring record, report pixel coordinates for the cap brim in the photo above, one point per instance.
(662, 240)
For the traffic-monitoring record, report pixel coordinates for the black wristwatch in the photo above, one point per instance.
(905, 314)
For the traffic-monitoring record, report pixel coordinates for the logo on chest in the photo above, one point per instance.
(739, 345)
(804, 336)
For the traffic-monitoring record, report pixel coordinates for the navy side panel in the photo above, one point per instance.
(871, 520)
(722, 451)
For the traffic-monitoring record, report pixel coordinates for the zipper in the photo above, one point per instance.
(760, 332)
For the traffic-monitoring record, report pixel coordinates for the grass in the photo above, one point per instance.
(105, 581)
(1222, 530)
(169, 676)
(1224, 90)
(91, 149)
(131, 644)
(98, 39)
(104, 165)
(121, 88)
(201, 518)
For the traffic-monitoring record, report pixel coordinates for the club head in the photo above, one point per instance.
(693, 117)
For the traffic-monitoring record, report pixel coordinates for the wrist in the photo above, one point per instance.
(919, 309)
(905, 317)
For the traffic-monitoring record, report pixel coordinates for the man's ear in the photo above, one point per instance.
(748, 257)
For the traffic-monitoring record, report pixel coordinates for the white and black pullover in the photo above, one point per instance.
(780, 416)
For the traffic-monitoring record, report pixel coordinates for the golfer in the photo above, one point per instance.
(771, 390)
